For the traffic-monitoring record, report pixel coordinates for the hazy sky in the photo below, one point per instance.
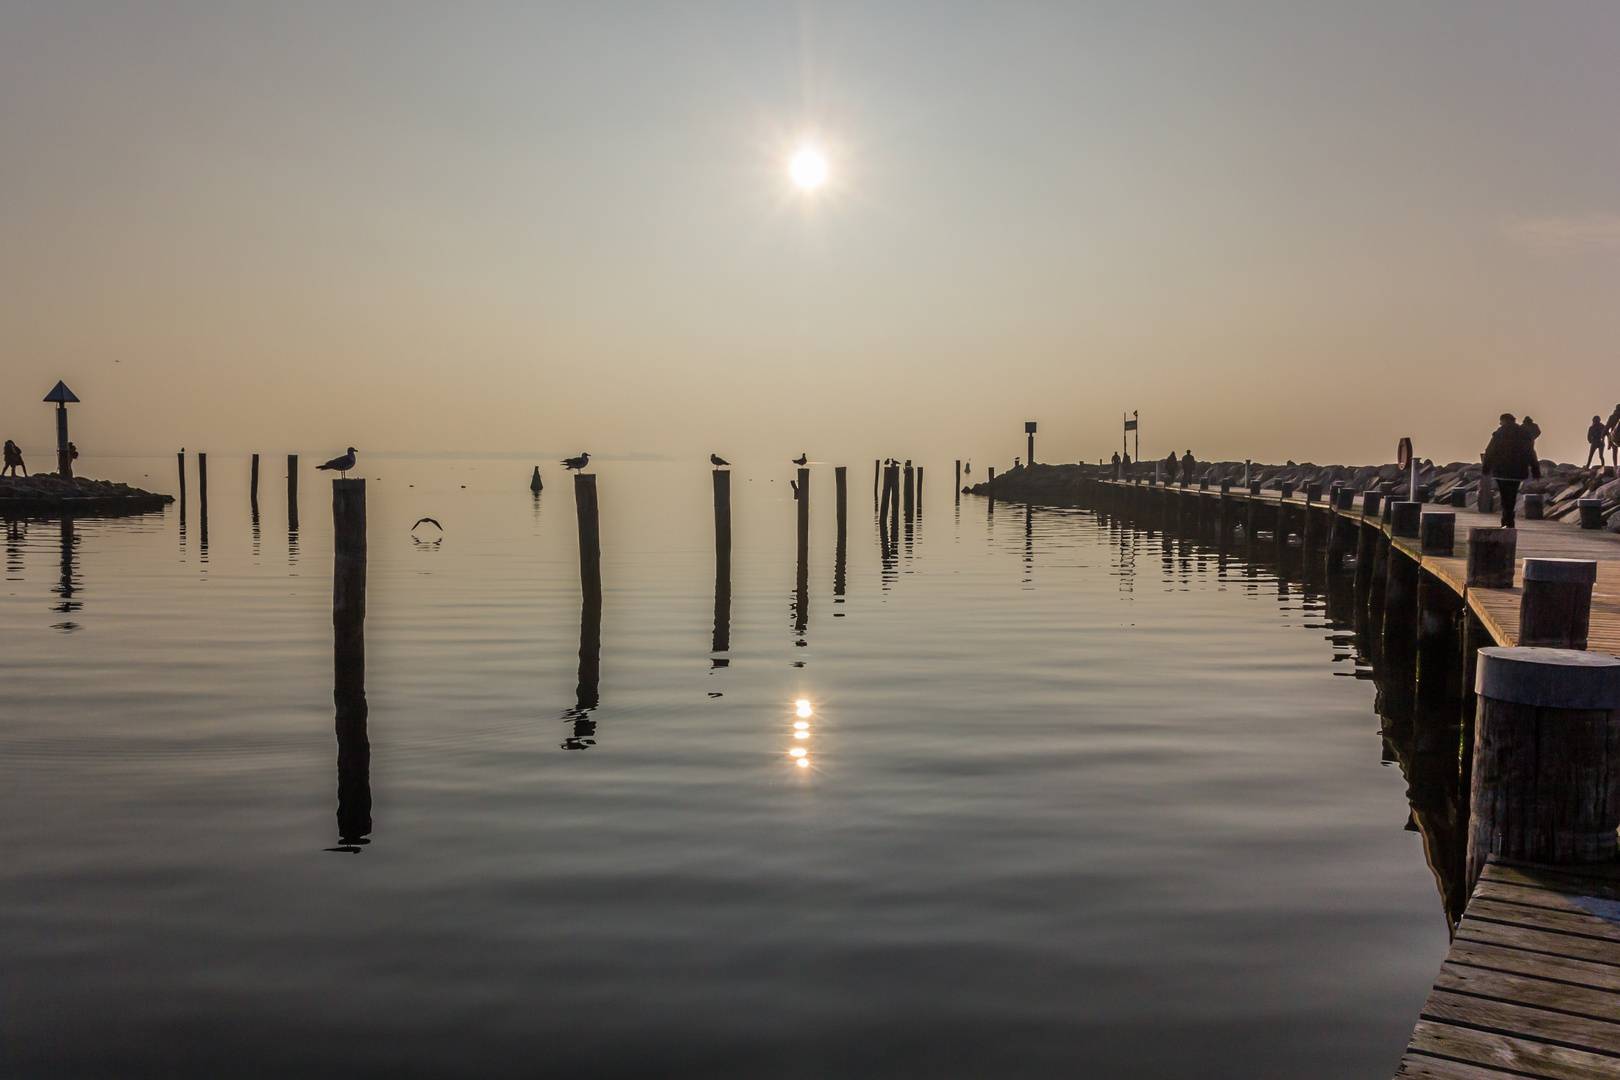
(1276, 229)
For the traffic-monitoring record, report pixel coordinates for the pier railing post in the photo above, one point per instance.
(1591, 513)
(1534, 505)
(1491, 558)
(1545, 783)
(1438, 533)
(1555, 608)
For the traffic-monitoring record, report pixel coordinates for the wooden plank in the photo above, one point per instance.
(1527, 1057)
(1538, 964)
(1577, 880)
(1558, 922)
(1510, 936)
(1538, 993)
(1420, 1067)
(1526, 1022)
(1594, 904)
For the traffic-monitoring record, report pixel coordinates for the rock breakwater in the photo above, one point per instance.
(47, 493)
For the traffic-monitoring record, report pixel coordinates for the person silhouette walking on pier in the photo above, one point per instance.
(1510, 458)
(1118, 473)
(14, 461)
(1596, 436)
(1171, 467)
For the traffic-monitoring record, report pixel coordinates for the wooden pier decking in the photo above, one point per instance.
(1531, 985)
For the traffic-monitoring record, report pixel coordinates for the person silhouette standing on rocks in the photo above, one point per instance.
(1510, 459)
(14, 461)
(1614, 435)
(1596, 435)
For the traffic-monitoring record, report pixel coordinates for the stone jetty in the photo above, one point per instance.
(1561, 485)
(47, 493)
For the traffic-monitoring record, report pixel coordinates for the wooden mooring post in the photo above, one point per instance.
(722, 565)
(590, 538)
(840, 554)
(253, 485)
(1546, 769)
(911, 490)
(349, 662)
(919, 489)
(1555, 606)
(958, 488)
(801, 584)
(292, 492)
(182, 462)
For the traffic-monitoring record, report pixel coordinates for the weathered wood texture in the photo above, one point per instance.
(1531, 986)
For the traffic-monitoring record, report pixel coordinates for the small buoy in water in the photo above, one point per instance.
(534, 481)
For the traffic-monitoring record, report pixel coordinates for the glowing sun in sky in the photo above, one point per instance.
(808, 168)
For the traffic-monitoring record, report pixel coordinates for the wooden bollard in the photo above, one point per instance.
(910, 489)
(1591, 513)
(1287, 489)
(590, 537)
(1545, 783)
(349, 661)
(1459, 498)
(1254, 488)
(182, 456)
(1406, 520)
(1486, 503)
(1370, 502)
(1313, 494)
(1555, 609)
(253, 484)
(1534, 507)
(292, 492)
(1438, 533)
(1491, 555)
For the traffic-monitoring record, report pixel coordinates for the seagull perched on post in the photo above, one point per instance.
(341, 464)
(575, 463)
(802, 459)
(717, 461)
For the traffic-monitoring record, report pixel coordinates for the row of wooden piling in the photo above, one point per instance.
(1532, 730)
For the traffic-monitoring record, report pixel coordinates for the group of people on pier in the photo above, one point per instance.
(1603, 435)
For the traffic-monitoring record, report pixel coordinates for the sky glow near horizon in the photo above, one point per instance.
(1277, 233)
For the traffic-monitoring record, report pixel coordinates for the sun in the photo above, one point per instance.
(808, 168)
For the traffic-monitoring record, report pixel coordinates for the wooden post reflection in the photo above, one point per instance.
(349, 663)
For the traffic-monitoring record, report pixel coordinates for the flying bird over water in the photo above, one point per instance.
(801, 459)
(716, 460)
(429, 521)
(341, 464)
(576, 462)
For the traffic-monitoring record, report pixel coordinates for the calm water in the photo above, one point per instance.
(1076, 804)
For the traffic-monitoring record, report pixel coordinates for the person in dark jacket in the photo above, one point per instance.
(1510, 459)
(14, 460)
(1118, 475)
(1171, 467)
(1595, 436)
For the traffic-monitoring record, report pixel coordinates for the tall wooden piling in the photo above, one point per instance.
(722, 563)
(349, 660)
(292, 492)
(253, 485)
(958, 488)
(202, 500)
(801, 592)
(919, 488)
(587, 692)
(839, 555)
(181, 456)
(877, 478)
(1546, 769)
(911, 490)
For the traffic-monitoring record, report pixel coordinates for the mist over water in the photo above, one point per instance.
(1079, 800)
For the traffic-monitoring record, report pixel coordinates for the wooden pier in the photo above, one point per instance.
(1531, 986)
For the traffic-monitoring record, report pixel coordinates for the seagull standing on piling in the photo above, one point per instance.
(717, 461)
(576, 463)
(802, 459)
(341, 464)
